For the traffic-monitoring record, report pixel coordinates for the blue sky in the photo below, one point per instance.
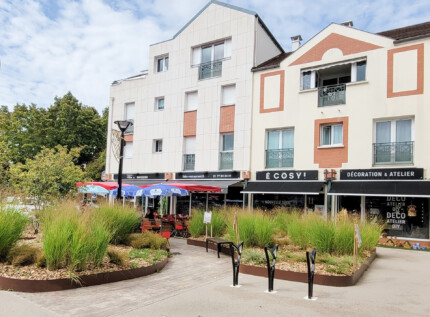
(50, 47)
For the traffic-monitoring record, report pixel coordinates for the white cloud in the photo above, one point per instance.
(49, 48)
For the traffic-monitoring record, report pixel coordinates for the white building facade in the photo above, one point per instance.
(192, 108)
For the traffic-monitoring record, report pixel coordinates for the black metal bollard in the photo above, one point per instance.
(236, 262)
(271, 266)
(310, 259)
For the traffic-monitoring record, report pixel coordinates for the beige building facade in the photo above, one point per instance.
(343, 122)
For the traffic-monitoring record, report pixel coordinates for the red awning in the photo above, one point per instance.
(107, 185)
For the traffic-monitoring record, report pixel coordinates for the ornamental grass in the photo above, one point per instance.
(12, 224)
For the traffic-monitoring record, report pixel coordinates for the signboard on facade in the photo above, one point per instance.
(141, 176)
(382, 173)
(208, 175)
(287, 175)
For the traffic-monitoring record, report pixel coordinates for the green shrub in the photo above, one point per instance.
(119, 221)
(117, 257)
(299, 233)
(12, 224)
(146, 240)
(283, 218)
(218, 223)
(23, 255)
(254, 256)
(264, 226)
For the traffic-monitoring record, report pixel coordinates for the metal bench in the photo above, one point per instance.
(219, 242)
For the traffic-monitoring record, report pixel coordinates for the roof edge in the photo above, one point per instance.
(269, 33)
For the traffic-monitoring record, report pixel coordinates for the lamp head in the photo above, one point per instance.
(123, 124)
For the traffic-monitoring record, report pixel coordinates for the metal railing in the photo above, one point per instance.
(226, 161)
(394, 152)
(189, 161)
(279, 158)
(210, 69)
(331, 95)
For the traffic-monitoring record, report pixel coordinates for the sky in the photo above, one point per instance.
(50, 47)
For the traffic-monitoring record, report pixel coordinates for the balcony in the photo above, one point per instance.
(210, 69)
(332, 95)
(226, 161)
(279, 158)
(393, 153)
(189, 160)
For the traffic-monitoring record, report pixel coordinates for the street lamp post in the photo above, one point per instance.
(122, 125)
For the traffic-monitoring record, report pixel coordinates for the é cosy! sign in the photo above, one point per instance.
(286, 175)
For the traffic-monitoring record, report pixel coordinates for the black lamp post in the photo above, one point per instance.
(122, 125)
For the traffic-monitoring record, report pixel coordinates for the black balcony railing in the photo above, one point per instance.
(279, 158)
(189, 160)
(332, 95)
(226, 161)
(392, 153)
(211, 69)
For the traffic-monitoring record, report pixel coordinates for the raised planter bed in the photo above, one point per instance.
(328, 280)
(33, 286)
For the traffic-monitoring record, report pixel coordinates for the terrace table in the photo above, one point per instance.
(219, 242)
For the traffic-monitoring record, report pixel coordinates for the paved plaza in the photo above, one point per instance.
(196, 283)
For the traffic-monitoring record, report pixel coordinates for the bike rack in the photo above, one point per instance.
(236, 262)
(310, 259)
(271, 266)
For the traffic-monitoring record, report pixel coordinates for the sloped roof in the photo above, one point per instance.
(273, 62)
(408, 32)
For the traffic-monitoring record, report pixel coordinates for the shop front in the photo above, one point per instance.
(399, 198)
(286, 189)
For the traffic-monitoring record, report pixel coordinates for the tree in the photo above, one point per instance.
(95, 168)
(71, 124)
(51, 175)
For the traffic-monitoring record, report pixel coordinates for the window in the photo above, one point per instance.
(158, 146)
(209, 58)
(334, 75)
(280, 148)
(228, 95)
(331, 135)
(226, 154)
(191, 99)
(129, 116)
(393, 142)
(189, 153)
(162, 64)
(128, 150)
(159, 103)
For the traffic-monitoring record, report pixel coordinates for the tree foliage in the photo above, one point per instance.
(51, 175)
(27, 129)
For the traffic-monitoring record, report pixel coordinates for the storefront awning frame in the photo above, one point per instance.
(284, 187)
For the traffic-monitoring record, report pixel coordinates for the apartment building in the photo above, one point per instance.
(343, 121)
(192, 108)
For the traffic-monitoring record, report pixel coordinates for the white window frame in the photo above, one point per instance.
(196, 52)
(165, 63)
(331, 144)
(157, 143)
(393, 127)
(156, 105)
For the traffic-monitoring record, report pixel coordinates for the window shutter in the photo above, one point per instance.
(190, 145)
(229, 95)
(129, 111)
(191, 101)
(196, 54)
(227, 48)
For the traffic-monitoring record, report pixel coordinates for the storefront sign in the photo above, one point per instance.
(382, 173)
(141, 176)
(208, 175)
(287, 175)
